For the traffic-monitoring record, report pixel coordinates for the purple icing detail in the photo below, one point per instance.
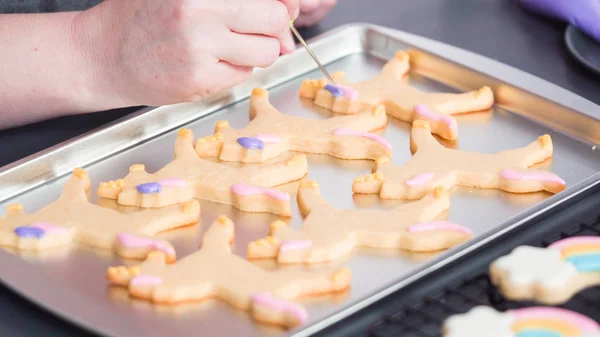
(30, 232)
(251, 143)
(335, 91)
(130, 240)
(145, 280)
(149, 188)
(289, 245)
(267, 300)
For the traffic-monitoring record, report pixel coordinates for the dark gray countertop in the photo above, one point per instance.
(494, 28)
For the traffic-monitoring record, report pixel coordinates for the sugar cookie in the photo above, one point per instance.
(329, 233)
(433, 165)
(549, 275)
(400, 99)
(72, 216)
(527, 322)
(247, 188)
(213, 271)
(271, 133)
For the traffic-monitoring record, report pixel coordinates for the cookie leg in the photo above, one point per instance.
(268, 247)
(269, 175)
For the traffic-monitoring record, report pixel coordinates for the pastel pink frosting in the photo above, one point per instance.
(438, 225)
(582, 322)
(244, 189)
(348, 132)
(49, 228)
(532, 175)
(350, 93)
(289, 245)
(172, 182)
(269, 301)
(419, 179)
(130, 240)
(268, 138)
(424, 111)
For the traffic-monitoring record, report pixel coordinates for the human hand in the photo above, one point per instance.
(156, 52)
(311, 12)
(583, 14)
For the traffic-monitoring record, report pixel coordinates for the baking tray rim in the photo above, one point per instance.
(563, 97)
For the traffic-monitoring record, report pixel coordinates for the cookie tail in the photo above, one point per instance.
(270, 309)
(443, 125)
(526, 181)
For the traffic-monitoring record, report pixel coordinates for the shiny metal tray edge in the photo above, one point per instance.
(139, 127)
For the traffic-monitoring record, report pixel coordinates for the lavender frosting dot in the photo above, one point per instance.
(149, 188)
(30, 232)
(251, 143)
(335, 91)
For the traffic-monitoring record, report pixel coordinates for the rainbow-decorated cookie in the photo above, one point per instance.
(484, 321)
(549, 275)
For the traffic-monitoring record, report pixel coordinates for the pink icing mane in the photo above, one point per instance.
(130, 240)
(269, 301)
(244, 189)
(532, 175)
(288, 245)
(561, 244)
(172, 182)
(419, 179)
(268, 138)
(350, 93)
(423, 110)
(348, 132)
(49, 228)
(582, 322)
(145, 280)
(438, 225)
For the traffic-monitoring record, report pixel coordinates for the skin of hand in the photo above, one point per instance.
(311, 13)
(583, 14)
(133, 52)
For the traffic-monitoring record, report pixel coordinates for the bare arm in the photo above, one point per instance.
(43, 73)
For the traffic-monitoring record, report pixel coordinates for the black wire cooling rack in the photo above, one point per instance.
(420, 309)
(425, 318)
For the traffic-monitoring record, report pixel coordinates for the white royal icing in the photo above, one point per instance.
(591, 334)
(479, 322)
(526, 265)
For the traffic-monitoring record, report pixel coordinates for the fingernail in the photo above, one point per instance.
(296, 13)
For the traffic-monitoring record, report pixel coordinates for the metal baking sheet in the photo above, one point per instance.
(72, 282)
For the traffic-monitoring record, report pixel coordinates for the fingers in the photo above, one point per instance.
(248, 50)
(313, 11)
(263, 17)
(293, 7)
(217, 77)
(287, 43)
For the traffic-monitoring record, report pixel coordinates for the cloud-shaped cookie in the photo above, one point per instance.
(526, 265)
(480, 321)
